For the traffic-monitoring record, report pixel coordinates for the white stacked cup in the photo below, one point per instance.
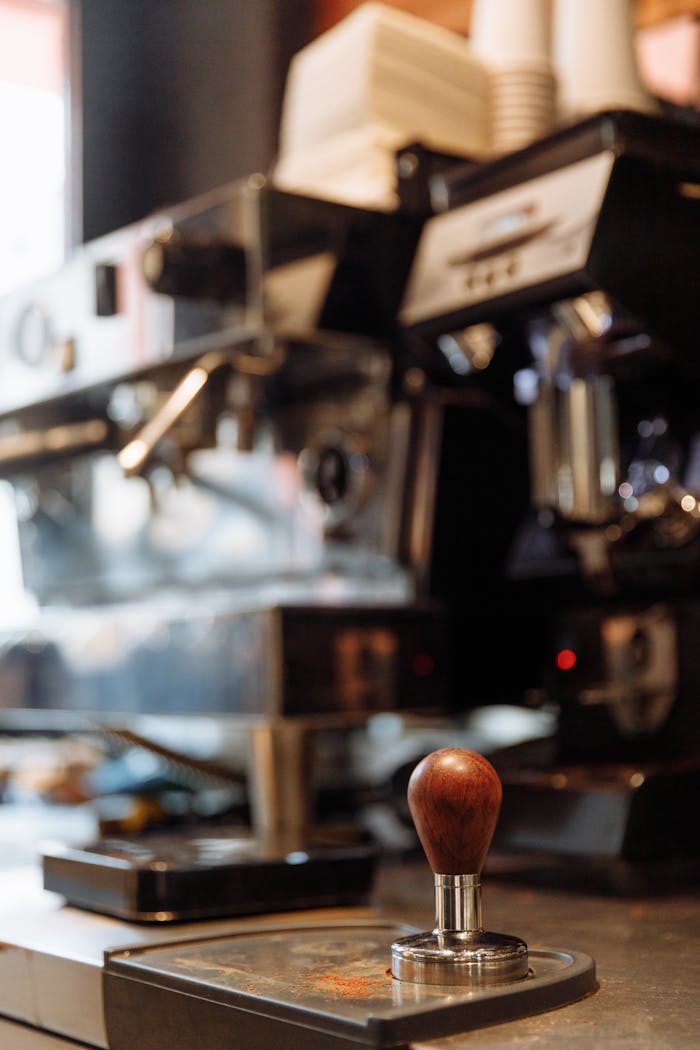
(512, 38)
(594, 58)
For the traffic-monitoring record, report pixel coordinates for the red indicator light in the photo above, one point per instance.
(566, 659)
(423, 665)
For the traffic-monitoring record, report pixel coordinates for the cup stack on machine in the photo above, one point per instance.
(382, 80)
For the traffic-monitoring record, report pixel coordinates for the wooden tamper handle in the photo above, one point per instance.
(455, 797)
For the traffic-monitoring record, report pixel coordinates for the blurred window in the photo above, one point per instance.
(34, 110)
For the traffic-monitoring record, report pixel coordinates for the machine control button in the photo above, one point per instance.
(106, 290)
(195, 268)
(33, 337)
(332, 475)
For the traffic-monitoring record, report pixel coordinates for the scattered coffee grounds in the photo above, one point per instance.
(353, 987)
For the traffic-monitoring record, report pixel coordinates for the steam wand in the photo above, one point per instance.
(455, 797)
(140, 448)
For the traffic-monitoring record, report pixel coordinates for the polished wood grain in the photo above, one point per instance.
(455, 797)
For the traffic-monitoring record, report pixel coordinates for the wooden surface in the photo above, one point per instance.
(651, 12)
(456, 14)
(455, 797)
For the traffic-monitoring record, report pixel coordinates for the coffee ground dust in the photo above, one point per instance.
(352, 987)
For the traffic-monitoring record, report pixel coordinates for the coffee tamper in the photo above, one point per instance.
(454, 797)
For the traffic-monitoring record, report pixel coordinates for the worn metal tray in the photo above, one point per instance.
(314, 987)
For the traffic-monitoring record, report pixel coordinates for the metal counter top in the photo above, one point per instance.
(647, 953)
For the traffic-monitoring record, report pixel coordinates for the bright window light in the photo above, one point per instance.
(33, 96)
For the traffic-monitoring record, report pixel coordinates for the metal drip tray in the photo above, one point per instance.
(314, 986)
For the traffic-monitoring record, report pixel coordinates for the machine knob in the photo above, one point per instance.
(455, 798)
(195, 269)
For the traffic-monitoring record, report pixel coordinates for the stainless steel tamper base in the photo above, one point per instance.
(474, 958)
(459, 951)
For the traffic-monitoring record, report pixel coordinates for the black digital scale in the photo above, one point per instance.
(207, 873)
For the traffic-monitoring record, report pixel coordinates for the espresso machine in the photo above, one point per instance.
(280, 504)
(244, 489)
(559, 285)
(225, 468)
(219, 480)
